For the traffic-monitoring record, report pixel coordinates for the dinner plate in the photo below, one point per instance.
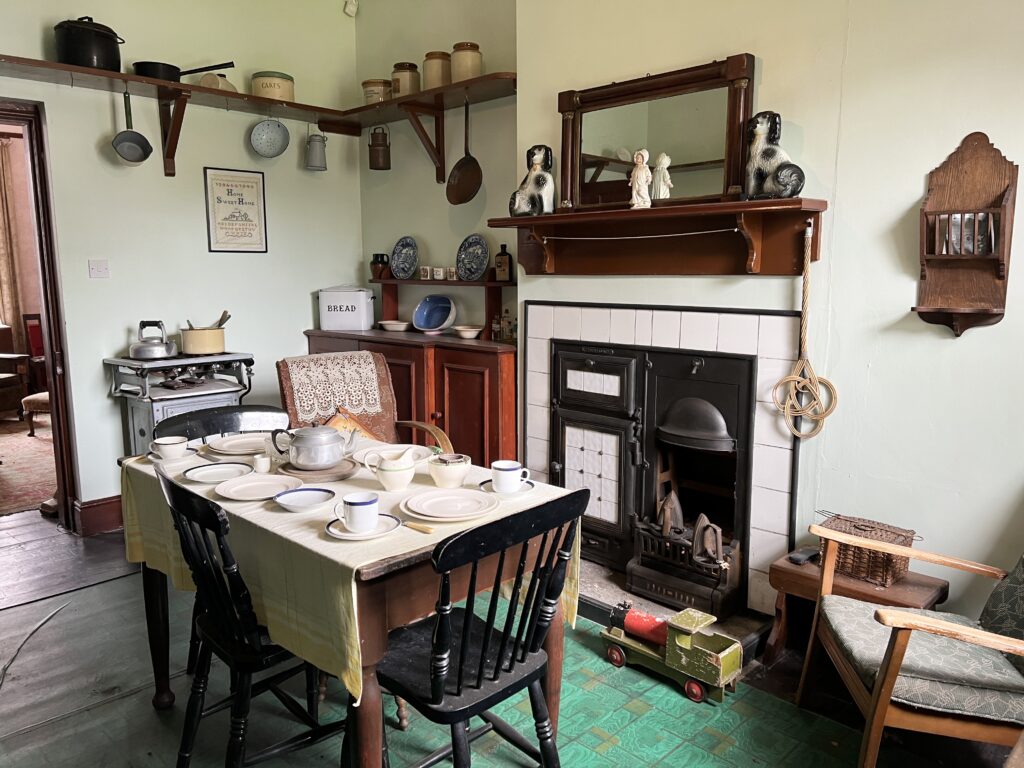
(487, 486)
(217, 473)
(256, 487)
(385, 525)
(404, 258)
(404, 508)
(452, 503)
(473, 258)
(343, 470)
(240, 445)
(422, 452)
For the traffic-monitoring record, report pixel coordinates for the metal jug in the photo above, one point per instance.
(380, 149)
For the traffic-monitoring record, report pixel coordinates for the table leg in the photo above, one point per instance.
(370, 721)
(555, 649)
(777, 639)
(154, 593)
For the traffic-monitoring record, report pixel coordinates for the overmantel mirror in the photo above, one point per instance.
(695, 117)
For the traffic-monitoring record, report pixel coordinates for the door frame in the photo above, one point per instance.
(30, 115)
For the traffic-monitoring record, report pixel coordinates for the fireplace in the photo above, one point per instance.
(662, 439)
(636, 403)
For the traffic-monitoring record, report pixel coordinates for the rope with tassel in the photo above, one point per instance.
(799, 395)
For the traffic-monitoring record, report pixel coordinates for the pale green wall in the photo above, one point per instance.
(928, 433)
(407, 200)
(152, 229)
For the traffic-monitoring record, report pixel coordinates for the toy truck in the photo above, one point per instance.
(705, 664)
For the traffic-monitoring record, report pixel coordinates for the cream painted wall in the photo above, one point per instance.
(928, 430)
(407, 200)
(151, 229)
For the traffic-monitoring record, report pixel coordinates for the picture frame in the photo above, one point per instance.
(236, 211)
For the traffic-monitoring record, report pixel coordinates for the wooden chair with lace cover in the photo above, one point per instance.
(315, 387)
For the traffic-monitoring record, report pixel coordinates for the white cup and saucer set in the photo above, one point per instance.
(358, 518)
(508, 478)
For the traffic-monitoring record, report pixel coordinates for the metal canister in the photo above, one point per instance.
(380, 149)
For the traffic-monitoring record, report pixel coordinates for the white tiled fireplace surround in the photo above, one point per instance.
(772, 337)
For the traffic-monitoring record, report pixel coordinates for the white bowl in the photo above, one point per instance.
(304, 499)
(467, 331)
(395, 325)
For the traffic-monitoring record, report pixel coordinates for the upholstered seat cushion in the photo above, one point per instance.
(37, 403)
(938, 673)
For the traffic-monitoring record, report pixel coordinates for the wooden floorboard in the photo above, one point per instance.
(38, 559)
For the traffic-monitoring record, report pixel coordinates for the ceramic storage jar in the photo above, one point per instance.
(467, 61)
(376, 90)
(405, 79)
(437, 69)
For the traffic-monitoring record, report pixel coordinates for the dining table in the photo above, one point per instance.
(330, 602)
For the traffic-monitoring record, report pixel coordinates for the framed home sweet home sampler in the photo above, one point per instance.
(236, 214)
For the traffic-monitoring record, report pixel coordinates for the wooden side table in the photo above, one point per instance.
(915, 590)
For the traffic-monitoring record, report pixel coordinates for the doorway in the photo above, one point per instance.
(37, 469)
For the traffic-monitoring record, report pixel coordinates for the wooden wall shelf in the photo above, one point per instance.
(966, 235)
(742, 237)
(173, 98)
(492, 296)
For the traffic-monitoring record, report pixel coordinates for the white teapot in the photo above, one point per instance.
(393, 469)
(314, 447)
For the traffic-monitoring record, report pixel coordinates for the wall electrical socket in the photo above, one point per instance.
(99, 269)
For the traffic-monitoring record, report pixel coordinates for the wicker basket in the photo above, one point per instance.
(865, 564)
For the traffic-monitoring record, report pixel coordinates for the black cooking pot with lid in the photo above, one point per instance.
(85, 43)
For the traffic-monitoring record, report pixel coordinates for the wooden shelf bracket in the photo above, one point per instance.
(751, 227)
(172, 114)
(435, 146)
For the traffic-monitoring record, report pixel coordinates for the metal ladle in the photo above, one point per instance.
(131, 145)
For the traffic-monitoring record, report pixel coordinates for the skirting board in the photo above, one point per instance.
(98, 515)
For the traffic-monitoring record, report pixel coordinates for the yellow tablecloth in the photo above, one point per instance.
(301, 580)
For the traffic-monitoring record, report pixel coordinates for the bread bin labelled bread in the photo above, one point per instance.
(202, 341)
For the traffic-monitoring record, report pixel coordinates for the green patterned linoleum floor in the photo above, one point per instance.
(67, 704)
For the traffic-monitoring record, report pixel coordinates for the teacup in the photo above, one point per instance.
(449, 470)
(358, 512)
(507, 476)
(170, 447)
(393, 469)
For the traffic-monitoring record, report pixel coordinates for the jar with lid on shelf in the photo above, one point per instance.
(437, 69)
(467, 61)
(376, 90)
(405, 79)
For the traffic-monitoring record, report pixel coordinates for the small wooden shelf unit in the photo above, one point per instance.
(492, 296)
(737, 237)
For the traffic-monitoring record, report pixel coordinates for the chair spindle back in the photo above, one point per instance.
(555, 524)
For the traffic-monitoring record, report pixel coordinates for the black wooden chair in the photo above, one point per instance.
(225, 420)
(229, 629)
(455, 665)
(213, 422)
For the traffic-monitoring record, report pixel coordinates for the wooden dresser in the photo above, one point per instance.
(467, 387)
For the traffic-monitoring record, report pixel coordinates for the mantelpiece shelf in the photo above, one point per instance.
(741, 237)
(172, 97)
(492, 296)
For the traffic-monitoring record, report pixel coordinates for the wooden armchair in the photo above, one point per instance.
(927, 671)
(314, 387)
(13, 382)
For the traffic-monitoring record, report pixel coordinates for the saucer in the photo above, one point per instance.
(214, 474)
(488, 487)
(385, 525)
(155, 458)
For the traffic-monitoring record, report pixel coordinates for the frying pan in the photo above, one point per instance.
(161, 71)
(131, 145)
(465, 179)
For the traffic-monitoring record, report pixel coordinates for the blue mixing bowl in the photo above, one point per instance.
(435, 313)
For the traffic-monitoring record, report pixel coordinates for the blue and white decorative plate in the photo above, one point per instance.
(404, 258)
(473, 258)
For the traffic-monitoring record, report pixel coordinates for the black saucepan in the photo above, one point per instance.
(162, 71)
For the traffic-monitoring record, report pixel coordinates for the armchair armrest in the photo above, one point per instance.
(435, 432)
(915, 554)
(12, 361)
(898, 619)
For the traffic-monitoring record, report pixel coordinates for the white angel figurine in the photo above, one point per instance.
(640, 180)
(662, 180)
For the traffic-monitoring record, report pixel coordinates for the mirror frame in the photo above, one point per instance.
(735, 73)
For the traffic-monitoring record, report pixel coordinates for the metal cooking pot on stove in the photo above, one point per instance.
(150, 347)
(314, 447)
